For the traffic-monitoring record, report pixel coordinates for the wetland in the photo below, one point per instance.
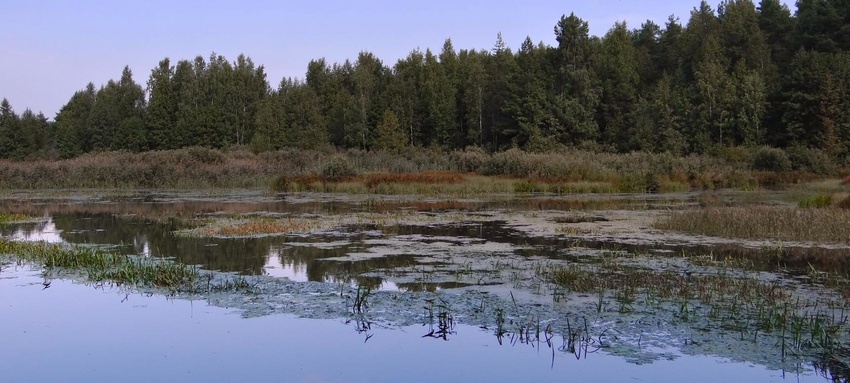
(331, 287)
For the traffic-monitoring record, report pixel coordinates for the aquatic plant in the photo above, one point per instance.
(723, 299)
(101, 265)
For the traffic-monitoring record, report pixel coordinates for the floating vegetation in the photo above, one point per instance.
(718, 299)
(763, 222)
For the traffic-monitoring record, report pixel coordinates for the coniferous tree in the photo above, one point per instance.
(471, 84)
(530, 104)
(438, 98)
(34, 135)
(617, 67)
(390, 135)
(161, 112)
(577, 93)
(9, 130)
(117, 116)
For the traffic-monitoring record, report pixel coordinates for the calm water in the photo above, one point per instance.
(72, 332)
(59, 330)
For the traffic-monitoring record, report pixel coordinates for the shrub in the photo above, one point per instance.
(338, 169)
(771, 160)
(205, 155)
(816, 201)
(469, 160)
(810, 160)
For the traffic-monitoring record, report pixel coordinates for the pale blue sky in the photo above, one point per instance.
(50, 49)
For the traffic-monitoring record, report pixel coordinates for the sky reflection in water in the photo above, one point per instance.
(72, 332)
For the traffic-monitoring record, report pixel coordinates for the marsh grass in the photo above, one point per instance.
(558, 171)
(255, 226)
(103, 266)
(763, 222)
(730, 301)
(818, 201)
(13, 217)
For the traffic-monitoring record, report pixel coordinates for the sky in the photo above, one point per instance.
(51, 49)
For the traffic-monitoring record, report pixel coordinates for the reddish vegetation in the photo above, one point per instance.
(430, 177)
(772, 179)
(846, 181)
(259, 227)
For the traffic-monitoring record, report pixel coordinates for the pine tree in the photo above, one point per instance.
(617, 67)
(390, 133)
(161, 112)
(577, 93)
(9, 130)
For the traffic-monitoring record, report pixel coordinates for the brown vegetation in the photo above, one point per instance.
(763, 222)
(565, 171)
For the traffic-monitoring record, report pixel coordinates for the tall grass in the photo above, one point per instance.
(204, 168)
(763, 222)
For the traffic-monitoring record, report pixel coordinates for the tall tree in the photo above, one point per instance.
(73, 123)
(471, 87)
(117, 117)
(618, 68)
(9, 130)
(161, 112)
(404, 95)
(577, 92)
(438, 97)
(500, 67)
(390, 133)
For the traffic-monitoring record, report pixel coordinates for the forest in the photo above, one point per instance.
(738, 75)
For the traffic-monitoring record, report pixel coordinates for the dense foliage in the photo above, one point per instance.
(741, 75)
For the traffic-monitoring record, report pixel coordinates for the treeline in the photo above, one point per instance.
(743, 74)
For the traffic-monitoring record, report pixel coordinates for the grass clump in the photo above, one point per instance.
(819, 201)
(101, 266)
(11, 218)
(763, 222)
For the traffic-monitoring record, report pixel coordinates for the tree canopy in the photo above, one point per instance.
(738, 74)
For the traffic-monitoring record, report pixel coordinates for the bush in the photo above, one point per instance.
(469, 160)
(205, 155)
(338, 169)
(810, 160)
(771, 160)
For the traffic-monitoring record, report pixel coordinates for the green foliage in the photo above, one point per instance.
(819, 201)
(810, 160)
(743, 75)
(338, 168)
(771, 159)
(390, 134)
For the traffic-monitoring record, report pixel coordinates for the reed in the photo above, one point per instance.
(763, 222)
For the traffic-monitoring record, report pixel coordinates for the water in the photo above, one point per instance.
(73, 332)
(61, 330)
